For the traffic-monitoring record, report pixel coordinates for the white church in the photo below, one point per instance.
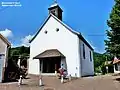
(56, 44)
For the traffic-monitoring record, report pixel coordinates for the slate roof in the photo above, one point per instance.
(49, 53)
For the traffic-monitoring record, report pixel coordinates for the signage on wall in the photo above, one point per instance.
(1, 56)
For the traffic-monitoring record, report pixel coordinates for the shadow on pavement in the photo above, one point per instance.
(117, 79)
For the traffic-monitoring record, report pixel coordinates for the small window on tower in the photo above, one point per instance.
(57, 29)
(46, 32)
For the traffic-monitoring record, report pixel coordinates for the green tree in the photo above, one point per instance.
(99, 60)
(113, 34)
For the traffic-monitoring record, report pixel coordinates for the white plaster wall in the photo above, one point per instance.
(34, 67)
(63, 61)
(63, 40)
(115, 71)
(3, 50)
(1, 68)
(87, 66)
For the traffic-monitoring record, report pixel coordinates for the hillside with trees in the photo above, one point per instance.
(19, 51)
(99, 60)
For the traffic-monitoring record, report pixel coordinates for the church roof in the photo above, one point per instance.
(5, 39)
(66, 26)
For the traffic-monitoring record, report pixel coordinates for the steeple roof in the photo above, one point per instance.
(54, 5)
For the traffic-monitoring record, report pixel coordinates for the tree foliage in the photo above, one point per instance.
(15, 53)
(113, 42)
(13, 71)
(19, 51)
(99, 60)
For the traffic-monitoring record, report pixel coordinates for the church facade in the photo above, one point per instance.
(57, 44)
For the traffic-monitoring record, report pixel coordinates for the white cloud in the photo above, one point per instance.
(7, 33)
(25, 40)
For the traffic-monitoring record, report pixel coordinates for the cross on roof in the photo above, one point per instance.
(55, 1)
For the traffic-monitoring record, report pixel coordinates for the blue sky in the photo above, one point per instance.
(86, 16)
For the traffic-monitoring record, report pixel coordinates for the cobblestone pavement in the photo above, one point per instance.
(53, 83)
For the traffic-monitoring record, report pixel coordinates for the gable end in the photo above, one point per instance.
(66, 26)
(39, 29)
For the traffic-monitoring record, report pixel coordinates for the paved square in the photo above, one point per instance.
(52, 83)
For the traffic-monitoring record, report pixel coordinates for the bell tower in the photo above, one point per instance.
(56, 10)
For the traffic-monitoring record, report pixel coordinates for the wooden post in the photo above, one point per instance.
(40, 77)
(56, 69)
(40, 81)
(62, 80)
(70, 77)
(20, 80)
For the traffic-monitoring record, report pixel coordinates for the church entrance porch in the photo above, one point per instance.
(50, 61)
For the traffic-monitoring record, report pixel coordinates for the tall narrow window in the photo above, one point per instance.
(83, 51)
(90, 56)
